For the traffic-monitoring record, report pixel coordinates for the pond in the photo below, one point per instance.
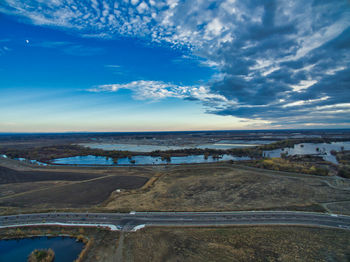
(17, 250)
(142, 160)
(321, 149)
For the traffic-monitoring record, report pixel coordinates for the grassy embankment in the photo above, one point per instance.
(343, 158)
(288, 165)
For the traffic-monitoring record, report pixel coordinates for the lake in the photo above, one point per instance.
(310, 149)
(228, 144)
(142, 160)
(17, 250)
(223, 144)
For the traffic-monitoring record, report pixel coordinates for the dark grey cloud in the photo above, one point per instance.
(294, 69)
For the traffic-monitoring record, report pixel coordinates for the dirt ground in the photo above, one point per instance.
(28, 188)
(78, 194)
(8, 176)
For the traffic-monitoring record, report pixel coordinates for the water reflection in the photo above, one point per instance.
(320, 149)
(31, 161)
(143, 160)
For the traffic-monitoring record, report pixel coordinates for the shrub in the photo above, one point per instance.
(344, 171)
(42, 255)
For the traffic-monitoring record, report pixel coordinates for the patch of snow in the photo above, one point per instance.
(110, 226)
(138, 227)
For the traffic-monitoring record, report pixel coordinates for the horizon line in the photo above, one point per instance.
(170, 131)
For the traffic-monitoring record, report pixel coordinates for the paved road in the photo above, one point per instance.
(128, 221)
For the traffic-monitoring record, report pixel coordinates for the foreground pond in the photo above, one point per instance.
(142, 160)
(17, 250)
(321, 149)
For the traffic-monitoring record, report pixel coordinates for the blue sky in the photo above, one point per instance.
(173, 65)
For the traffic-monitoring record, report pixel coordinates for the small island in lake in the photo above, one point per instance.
(42, 255)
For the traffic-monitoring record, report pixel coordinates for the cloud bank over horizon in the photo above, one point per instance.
(286, 62)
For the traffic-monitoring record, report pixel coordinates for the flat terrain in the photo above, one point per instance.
(79, 194)
(223, 187)
(8, 176)
(237, 244)
(205, 187)
(264, 243)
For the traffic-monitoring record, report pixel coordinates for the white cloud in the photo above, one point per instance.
(142, 7)
(4, 50)
(304, 84)
(156, 90)
(113, 66)
(341, 105)
(214, 27)
(333, 71)
(209, 63)
(306, 102)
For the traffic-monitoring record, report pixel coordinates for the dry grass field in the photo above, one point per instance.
(225, 187)
(237, 244)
